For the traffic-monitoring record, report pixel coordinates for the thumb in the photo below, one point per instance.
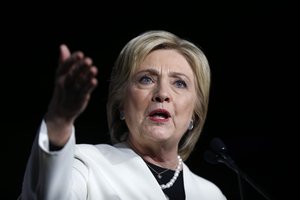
(64, 53)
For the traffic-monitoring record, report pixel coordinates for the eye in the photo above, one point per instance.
(145, 80)
(180, 84)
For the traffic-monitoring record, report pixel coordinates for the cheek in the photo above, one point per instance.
(185, 107)
(135, 101)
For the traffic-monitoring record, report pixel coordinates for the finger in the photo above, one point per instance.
(81, 74)
(68, 61)
(91, 76)
(81, 69)
(89, 87)
(64, 53)
(91, 80)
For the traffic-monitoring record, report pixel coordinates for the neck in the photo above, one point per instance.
(156, 154)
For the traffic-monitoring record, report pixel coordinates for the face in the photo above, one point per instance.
(160, 98)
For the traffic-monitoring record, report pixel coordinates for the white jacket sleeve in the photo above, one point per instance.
(48, 174)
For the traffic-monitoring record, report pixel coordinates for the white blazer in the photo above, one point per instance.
(96, 172)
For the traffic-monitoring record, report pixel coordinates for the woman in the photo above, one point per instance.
(157, 104)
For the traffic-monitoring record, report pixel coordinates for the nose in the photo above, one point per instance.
(161, 99)
(161, 95)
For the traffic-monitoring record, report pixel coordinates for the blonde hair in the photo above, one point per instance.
(129, 58)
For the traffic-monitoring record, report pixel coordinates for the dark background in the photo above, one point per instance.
(252, 50)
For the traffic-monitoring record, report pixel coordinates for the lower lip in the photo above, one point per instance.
(155, 119)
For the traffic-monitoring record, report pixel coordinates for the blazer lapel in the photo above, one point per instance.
(139, 176)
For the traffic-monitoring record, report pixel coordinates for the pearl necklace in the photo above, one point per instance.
(174, 178)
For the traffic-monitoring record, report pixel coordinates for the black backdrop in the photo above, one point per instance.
(250, 48)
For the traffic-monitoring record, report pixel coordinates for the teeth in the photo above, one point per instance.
(159, 116)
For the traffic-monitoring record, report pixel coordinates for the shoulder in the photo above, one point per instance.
(103, 151)
(102, 148)
(84, 148)
(90, 150)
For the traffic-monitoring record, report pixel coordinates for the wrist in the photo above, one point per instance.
(59, 130)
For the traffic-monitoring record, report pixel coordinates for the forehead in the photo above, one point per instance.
(165, 59)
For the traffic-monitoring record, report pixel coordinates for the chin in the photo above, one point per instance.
(158, 133)
(160, 136)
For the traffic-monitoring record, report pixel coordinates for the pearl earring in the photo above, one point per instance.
(191, 125)
(122, 116)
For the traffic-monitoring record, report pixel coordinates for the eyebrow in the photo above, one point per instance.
(172, 74)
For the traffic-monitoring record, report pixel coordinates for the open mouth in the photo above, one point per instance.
(159, 114)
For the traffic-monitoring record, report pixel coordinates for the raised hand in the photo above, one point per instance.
(74, 82)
